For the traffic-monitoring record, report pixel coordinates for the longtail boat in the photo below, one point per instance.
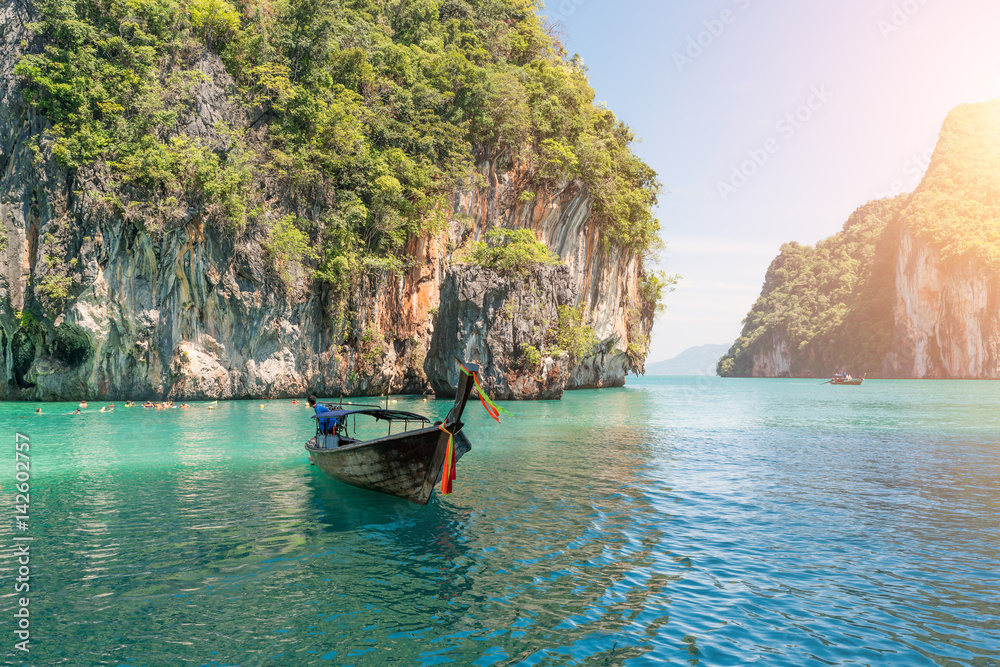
(408, 464)
(845, 379)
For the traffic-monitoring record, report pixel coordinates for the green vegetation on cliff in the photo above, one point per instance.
(511, 251)
(358, 116)
(572, 333)
(831, 306)
(957, 206)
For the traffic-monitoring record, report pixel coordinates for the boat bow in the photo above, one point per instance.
(407, 464)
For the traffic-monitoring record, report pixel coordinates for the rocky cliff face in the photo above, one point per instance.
(945, 321)
(92, 304)
(773, 360)
(496, 320)
(606, 280)
(947, 316)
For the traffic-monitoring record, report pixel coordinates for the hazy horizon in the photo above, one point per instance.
(871, 84)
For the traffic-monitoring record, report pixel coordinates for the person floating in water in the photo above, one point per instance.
(77, 411)
(184, 406)
(83, 405)
(38, 411)
(295, 401)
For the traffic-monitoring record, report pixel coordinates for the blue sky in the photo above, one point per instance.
(709, 86)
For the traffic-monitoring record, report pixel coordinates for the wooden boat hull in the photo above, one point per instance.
(848, 383)
(407, 465)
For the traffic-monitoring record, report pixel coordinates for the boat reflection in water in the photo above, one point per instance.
(407, 464)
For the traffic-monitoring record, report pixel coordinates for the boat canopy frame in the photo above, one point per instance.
(339, 419)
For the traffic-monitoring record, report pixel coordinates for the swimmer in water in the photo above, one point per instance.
(77, 411)
(38, 411)
(83, 404)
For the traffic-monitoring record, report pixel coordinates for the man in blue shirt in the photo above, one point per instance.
(325, 424)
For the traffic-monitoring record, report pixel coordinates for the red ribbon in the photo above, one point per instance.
(449, 470)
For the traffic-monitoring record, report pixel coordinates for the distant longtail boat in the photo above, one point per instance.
(407, 464)
(845, 379)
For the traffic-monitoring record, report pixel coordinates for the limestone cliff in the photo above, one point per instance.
(947, 297)
(926, 300)
(947, 306)
(947, 316)
(772, 360)
(95, 305)
(483, 316)
(605, 279)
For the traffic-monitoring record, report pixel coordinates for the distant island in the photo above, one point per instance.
(909, 289)
(700, 360)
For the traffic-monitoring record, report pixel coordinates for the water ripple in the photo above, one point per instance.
(689, 522)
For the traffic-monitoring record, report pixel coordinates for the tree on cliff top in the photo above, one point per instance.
(957, 206)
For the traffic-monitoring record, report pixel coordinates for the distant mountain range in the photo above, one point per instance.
(699, 360)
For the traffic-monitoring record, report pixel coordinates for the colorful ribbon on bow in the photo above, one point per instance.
(492, 408)
(448, 471)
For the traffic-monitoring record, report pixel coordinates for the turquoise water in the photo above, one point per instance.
(685, 521)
